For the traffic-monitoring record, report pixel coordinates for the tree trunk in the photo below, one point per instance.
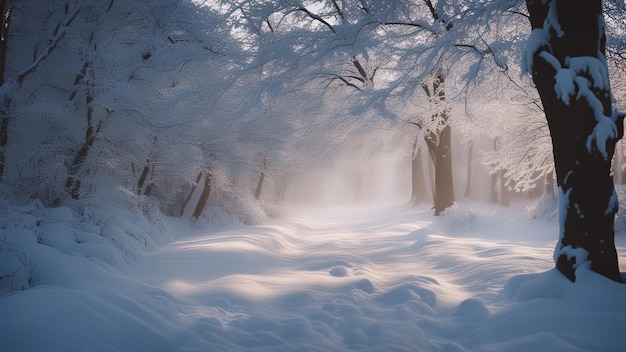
(144, 187)
(6, 101)
(439, 146)
(584, 128)
(504, 191)
(431, 173)
(418, 182)
(549, 186)
(259, 185)
(468, 181)
(204, 197)
(142, 179)
(86, 78)
(618, 170)
(493, 196)
(193, 190)
(444, 188)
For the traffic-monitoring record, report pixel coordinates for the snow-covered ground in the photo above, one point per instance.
(388, 278)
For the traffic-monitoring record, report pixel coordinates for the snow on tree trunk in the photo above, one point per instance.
(565, 55)
(185, 211)
(198, 197)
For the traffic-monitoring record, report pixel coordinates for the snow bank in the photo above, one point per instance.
(109, 236)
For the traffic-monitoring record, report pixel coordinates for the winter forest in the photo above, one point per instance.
(312, 175)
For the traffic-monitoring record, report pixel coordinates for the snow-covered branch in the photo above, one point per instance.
(57, 35)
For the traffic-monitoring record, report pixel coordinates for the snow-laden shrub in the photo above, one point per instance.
(110, 235)
(545, 208)
(215, 217)
(459, 217)
(242, 205)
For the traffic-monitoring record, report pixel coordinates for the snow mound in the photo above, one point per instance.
(111, 237)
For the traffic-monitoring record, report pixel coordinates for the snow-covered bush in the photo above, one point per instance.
(110, 235)
(459, 217)
(546, 208)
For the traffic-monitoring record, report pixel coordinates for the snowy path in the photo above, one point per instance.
(368, 279)
(360, 279)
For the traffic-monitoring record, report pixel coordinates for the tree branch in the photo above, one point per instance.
(59, 33)
(345, 81)
(316, 17)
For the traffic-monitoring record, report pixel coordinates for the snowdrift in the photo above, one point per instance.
(364, 279)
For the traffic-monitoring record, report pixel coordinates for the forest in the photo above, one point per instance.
(293, 138)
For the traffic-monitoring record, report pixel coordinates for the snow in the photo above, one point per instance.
(564, 86)
(604, 132)
(594, 69)
(536, 40)
(390, 278)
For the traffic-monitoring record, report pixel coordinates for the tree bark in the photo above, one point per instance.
(468, 180)
(259, 185)
(193, 189)
(582, 156)
(504, 191)
(87, 79)
(204, 197)
(493, 197)
(444, 188)
(144, 187)
(549, 185)
(440, 146)
(6, 100)
(418, 182)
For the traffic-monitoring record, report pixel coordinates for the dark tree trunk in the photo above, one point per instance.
(418, 182)
(204, 197)
(582, 157)
(142, 179)
(85, 79)
(6, 101)
(144, 187)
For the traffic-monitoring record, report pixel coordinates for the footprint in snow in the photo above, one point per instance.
(339, 271)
